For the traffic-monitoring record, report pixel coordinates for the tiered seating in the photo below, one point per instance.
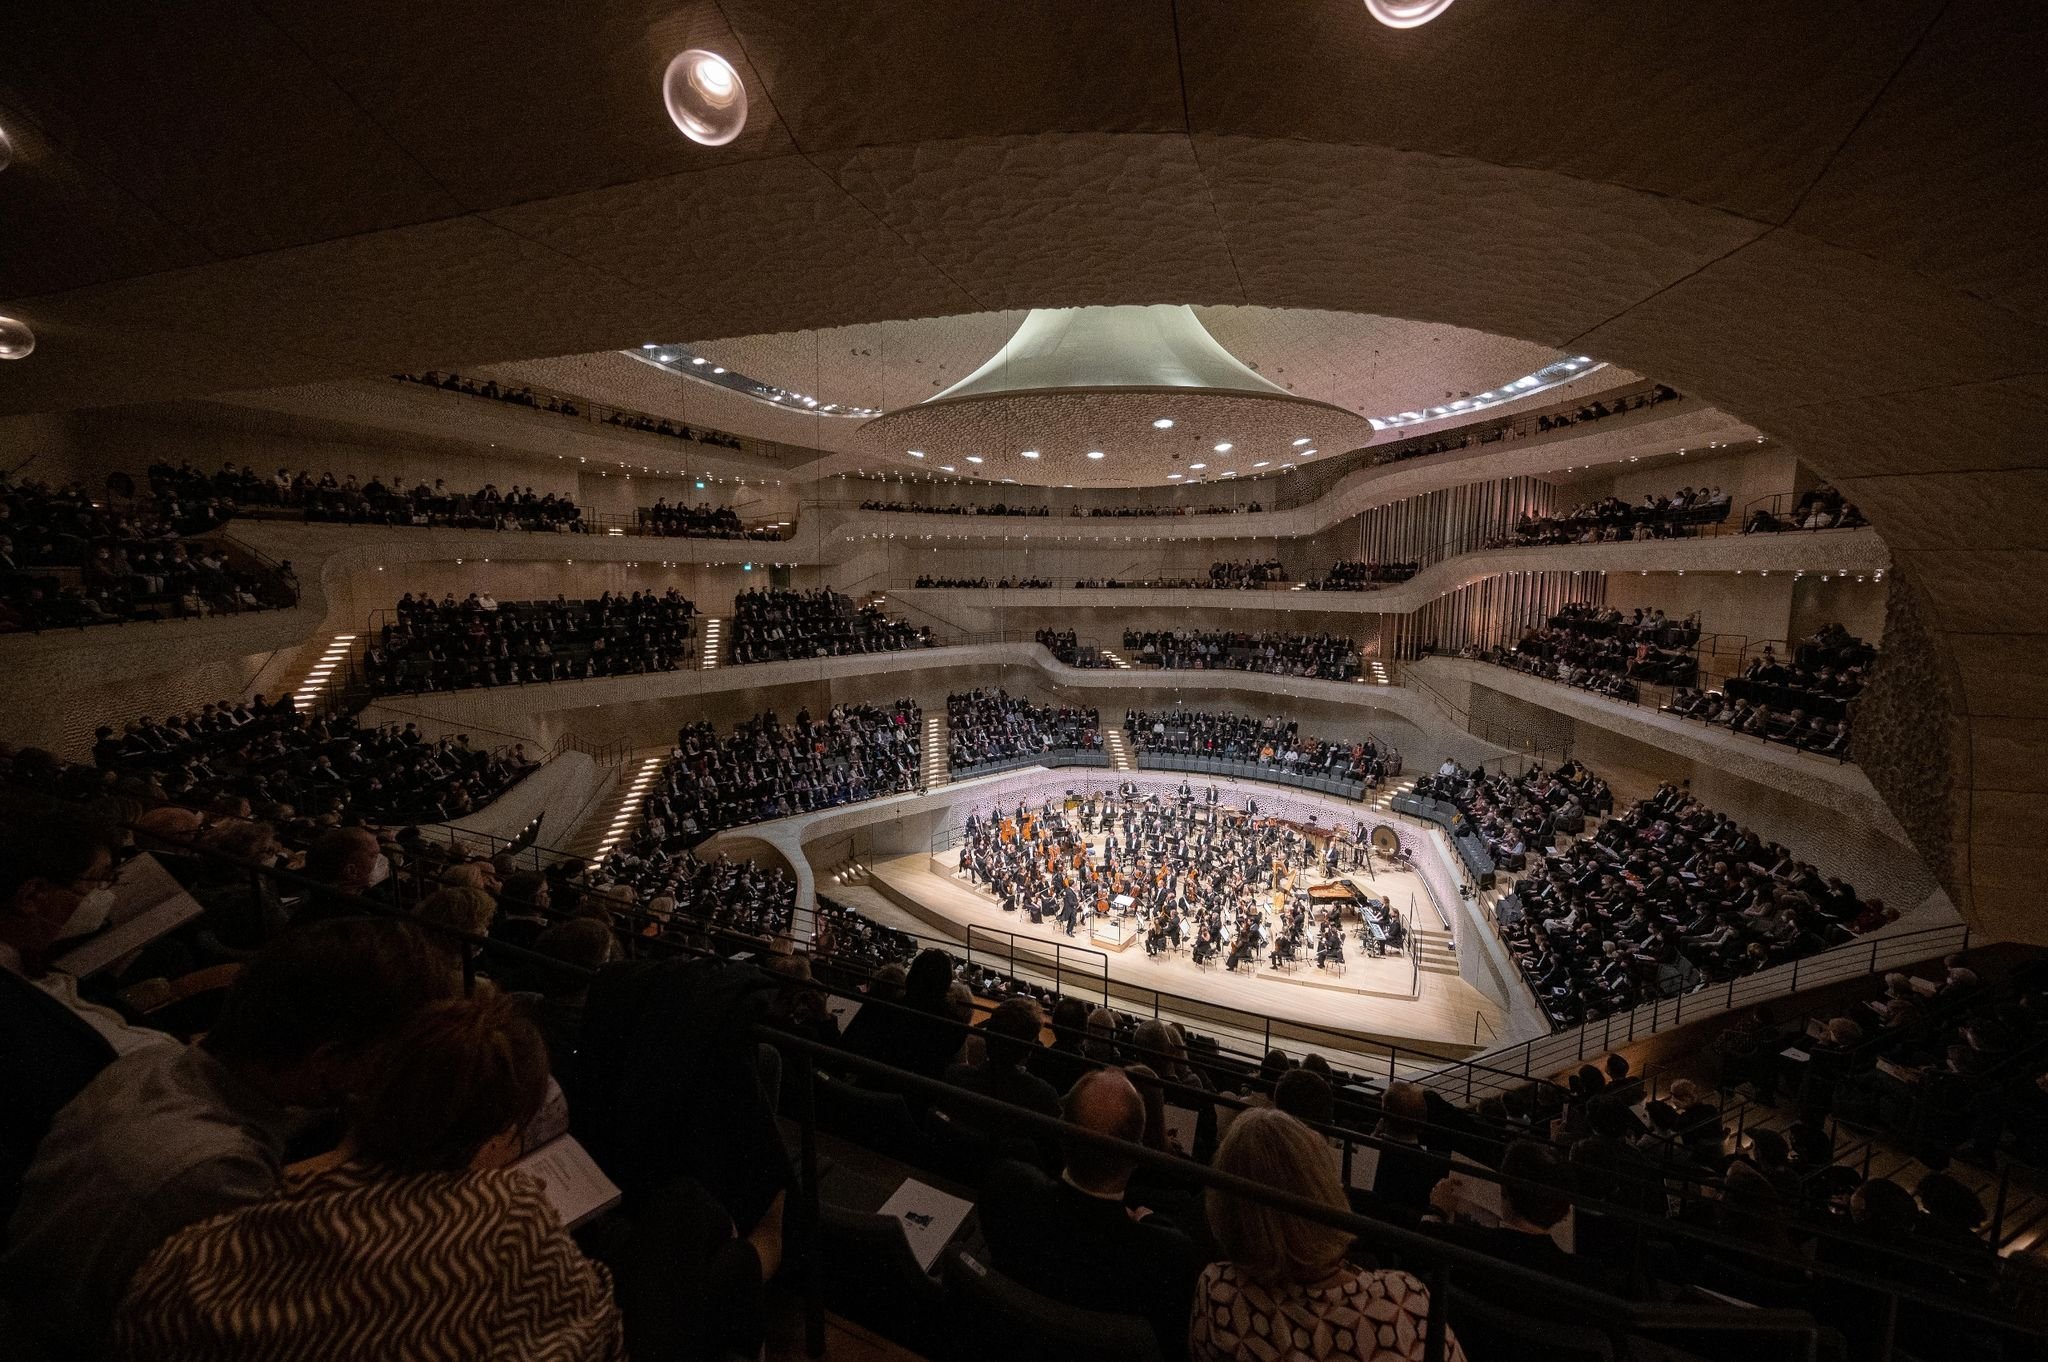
(1510, 817)
(1667, 896)
(1611, 519)
(780, 626)
(1804, 703)
(68, 560)
(1066, 646)
(349, 500)
(699, 522)
(1364, 575)
(1324, 656)
(288, 763)
(1603, 650)
(990, 729)
(478, 641)
(1272, 748)
(1823, 508)
(768, 769)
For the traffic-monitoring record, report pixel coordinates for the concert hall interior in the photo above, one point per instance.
(1174, 680)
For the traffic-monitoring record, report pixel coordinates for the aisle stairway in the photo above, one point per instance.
(614, 816)
(936, 739)
(1117, 744)
(1383, 798)
(714, 645)
(1435, 948)
(331, 669)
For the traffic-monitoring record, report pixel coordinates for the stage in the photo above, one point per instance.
(1373, 999)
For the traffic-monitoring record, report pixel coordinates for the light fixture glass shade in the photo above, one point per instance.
(706, 98)
(1406, 13)
(16, 340)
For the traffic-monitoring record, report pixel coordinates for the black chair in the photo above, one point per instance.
(872, 1278)
(1012, 1323)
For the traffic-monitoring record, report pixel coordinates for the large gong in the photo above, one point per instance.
(1386, 841)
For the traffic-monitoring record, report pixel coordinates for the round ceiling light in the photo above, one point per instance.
(1302, 441)
(1198, 467)
(1030, 453)
(1225, 447)
(1405, 13)
(1163, 423)
(1094, 453)
(974, 458)
(706, 98)
(16, 340)
(915, 453)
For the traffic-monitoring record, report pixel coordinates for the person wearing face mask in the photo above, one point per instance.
(56, 882)
(172, 1135)
(351, 864)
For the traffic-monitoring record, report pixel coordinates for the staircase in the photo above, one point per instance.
(614, 817)
(1383, 798)
(936, 740)
(714, 645)
(1117, 744)
(1434, 946)
(335, 659)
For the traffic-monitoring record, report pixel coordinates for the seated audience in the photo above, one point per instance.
(1350, 574)
(1324, 656)
(1611, 520)
(1273, 741)
(1822, 508)
(986, 726)
(779, 626)
(479, 642)
(699, 522)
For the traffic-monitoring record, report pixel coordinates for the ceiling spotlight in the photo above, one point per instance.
(1096, 453)
(945, 468)
(699, 360)
(705, 97)
(1302, 441)
(1173, 475)
(1163, 423)
(1306, 452)
(1198, 467)
(1405, 13)
(1030, 453)
(1262, 463)
(974, 458)
(16, 340)
(718, 368)
(915, 453)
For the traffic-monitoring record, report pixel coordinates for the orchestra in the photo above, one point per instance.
(1187, 871)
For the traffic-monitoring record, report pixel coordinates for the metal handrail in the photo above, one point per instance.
(1036, 947)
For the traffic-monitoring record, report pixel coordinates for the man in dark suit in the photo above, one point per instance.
(1075, 1241)
(1407, 1171)
(1532, 1202)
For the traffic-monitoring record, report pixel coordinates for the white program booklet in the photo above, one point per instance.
(577, 1188)
(1181, 1123)
(148, 903)
(930, 1218)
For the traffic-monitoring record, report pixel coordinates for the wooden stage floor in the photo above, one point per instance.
(1373, 1000)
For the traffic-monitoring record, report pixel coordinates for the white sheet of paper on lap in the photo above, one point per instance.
(577, 1188)
(929, 1217)
(148, 903)
(841, 1010)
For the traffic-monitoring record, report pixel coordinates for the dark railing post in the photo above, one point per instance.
(807, 1200)
(1795, 976)
(1439, 1327)
(1998, 1210)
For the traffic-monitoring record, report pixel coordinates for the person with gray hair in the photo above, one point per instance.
(1075, 1240)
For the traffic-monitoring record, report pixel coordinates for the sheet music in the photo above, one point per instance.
(930, 1218)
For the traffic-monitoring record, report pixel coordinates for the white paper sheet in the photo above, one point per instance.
(148, 903)
(576, 1186)
(930, 1218)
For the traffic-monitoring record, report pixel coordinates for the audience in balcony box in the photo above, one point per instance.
(780, 626)
(480, 641)
(990, 725)
(1324, 656)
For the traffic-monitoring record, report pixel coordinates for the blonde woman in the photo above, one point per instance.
(1286, 1293)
